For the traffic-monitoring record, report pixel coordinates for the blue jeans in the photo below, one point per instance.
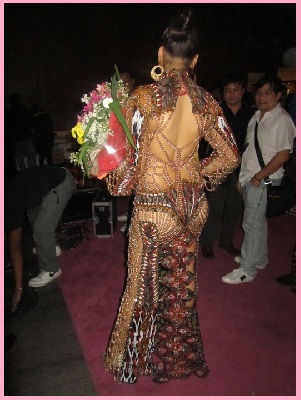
(254, 249)
(44, 220)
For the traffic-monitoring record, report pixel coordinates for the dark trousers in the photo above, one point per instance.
(225, 209)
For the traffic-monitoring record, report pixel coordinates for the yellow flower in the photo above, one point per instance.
(78, 133)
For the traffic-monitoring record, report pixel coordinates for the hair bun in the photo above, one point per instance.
(180, 38)
(186, 20)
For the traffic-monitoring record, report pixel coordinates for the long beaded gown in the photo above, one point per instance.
(156, 331)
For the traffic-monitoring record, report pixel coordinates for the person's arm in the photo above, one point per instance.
(16, 257)
(276, 162)
(224, 158)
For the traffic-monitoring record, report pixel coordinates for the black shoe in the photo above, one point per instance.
(233, 251)
(207, 252)
(285, 279)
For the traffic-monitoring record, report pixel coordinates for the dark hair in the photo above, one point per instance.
(273, 80)
(181, 38)
(234, 78)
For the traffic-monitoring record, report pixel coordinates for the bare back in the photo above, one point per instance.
(168, 120)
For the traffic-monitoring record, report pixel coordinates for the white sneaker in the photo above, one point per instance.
(237, 276)
(122, 218)
(237, 259)
(58, 250)
(44, 278)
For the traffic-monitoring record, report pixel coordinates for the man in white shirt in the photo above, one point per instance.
(276, 132)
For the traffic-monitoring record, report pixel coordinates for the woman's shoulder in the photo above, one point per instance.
(145, 98)
(207, 102)
(145, 91)
(210, 100)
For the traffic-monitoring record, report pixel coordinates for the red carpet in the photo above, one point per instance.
(248, 330)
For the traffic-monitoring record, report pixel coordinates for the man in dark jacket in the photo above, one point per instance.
(225, 203)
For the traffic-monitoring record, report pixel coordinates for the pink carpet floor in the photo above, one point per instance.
(249, 330)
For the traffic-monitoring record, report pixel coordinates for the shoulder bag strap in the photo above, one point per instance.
(267, 180)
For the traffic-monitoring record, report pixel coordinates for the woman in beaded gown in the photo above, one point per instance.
(156, 332)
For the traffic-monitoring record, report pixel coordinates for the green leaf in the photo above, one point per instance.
(85, 163)
(115, 107)
(82, 151)
(114, 88)
(117, 72)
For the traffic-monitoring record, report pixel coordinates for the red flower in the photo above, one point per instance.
(114, 151)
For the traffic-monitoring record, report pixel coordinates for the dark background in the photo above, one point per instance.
(54, 53)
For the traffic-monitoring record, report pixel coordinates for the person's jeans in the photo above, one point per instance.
(254, 249)
(44, 220)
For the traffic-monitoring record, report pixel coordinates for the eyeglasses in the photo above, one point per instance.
(267, 93)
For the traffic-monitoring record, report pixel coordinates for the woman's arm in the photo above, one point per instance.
(225, 157)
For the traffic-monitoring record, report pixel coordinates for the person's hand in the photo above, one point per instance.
(255, 182)
(16, 298)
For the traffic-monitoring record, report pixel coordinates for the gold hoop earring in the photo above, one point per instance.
(155, 75)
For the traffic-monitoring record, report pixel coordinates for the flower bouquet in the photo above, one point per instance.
(101, 128)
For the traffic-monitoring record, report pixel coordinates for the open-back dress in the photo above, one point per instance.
(156, 331)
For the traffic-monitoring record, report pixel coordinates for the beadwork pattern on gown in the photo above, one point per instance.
(156, 331)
